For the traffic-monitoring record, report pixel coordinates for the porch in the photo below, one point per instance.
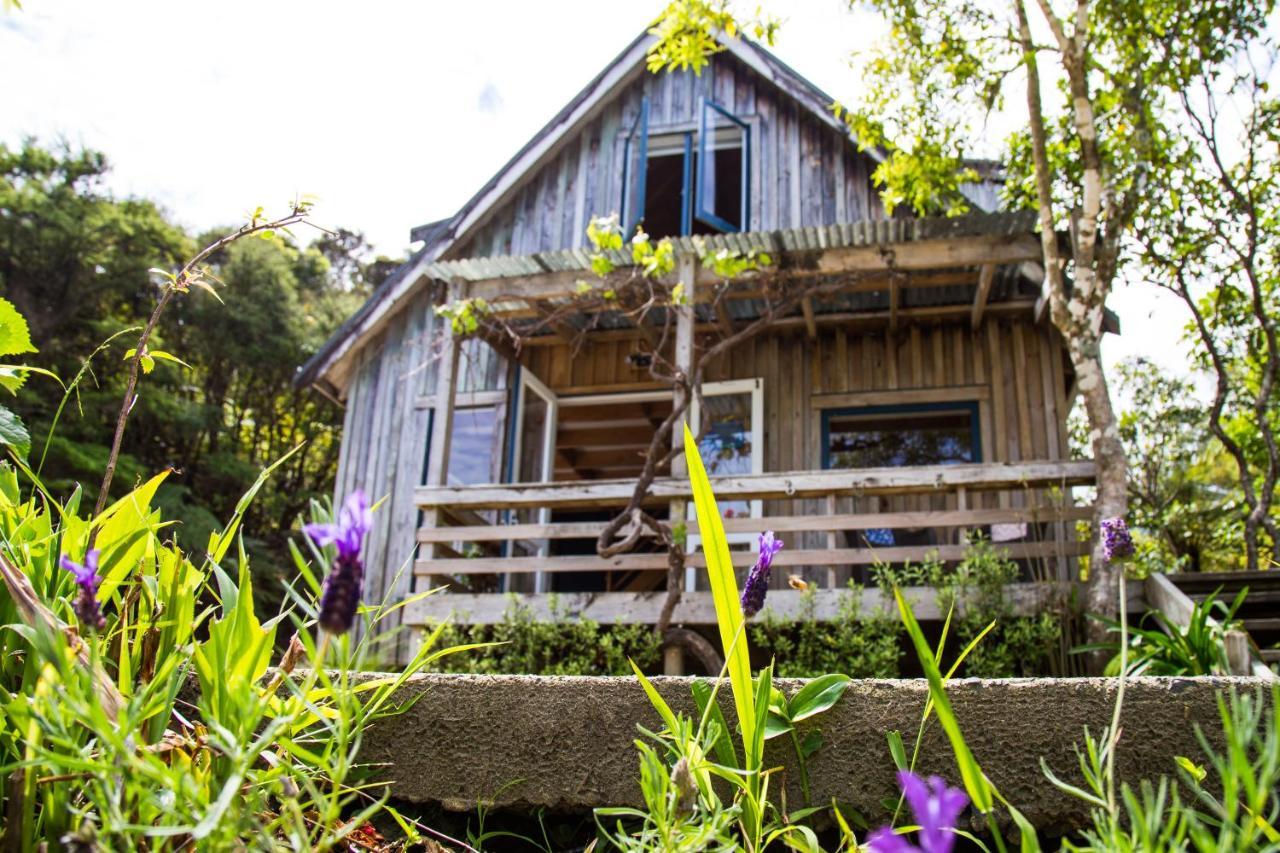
(482, 544)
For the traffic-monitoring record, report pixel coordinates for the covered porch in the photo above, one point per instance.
(916, 397)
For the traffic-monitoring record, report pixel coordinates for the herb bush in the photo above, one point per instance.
(1016, 645)
(108, 621)
(856, 645)
(562, 645)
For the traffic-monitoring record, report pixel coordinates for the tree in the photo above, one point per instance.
(1085, 159)
(1212, 240)
(79, 262)
(1181, 496)
(73, 259)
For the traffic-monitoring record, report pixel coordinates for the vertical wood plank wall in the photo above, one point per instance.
(803, 172)
(385, 432)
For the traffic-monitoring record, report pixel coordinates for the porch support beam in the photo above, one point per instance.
(441, 429)
(986, 277)
(943, 254)
(810, 324)
(678, 508)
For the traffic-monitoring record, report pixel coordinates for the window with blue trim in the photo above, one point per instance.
(900, 436)
(689, 181)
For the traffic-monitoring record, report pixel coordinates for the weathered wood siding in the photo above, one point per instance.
(386, 429)
(803, 172)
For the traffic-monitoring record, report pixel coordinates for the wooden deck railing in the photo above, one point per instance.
(484, 532)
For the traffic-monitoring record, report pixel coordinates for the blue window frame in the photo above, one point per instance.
(713, 180)
(901, 435)
(635, 168)
(714, 201)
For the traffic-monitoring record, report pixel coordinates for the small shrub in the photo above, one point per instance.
(562, 645)
(1017, 645)
(803, 647)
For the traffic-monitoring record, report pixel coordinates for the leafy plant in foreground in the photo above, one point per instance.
(1170, 648)
(683, 809)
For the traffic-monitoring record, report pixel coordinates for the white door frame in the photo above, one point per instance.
(754, 387)
(530, 384)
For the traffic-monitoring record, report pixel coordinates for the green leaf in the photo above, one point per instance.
(15, 336)
(724, 589)
(164, 356)
(975, 782)
(655, 698)
(818, 695)
(723, 746)
(776, 725)
(898, 750)
(1195, 771)
(812, 743)
(13, 432)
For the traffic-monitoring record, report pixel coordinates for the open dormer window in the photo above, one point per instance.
(691, 181)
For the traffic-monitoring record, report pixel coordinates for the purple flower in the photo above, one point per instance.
(1117, 544)
(936, 808)
(340, 596)
(86, 605)
(758, 580)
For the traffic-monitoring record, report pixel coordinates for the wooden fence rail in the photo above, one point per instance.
(511, 531)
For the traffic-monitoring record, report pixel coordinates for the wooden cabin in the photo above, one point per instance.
(924, 397)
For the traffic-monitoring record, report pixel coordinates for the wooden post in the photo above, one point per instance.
(678, 509)
(1239, 656)
(442, 422)
(832, 541)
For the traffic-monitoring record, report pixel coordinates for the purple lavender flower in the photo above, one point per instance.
(936, 808)
(86, 605)
(1117, 544)
(758, 580)
(340, 597)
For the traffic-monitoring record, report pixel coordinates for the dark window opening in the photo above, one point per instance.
(691, 182)
(896, 437)
(664, 213)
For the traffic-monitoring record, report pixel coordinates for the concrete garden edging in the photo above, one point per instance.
(567, 743)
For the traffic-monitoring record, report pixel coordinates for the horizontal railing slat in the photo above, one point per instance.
(772, 486)
(802, 557)
(697, 608)
(778, 524)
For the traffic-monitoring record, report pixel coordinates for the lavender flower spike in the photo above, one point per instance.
(340, 596)
(1117, 544)
(936, 807)
(757, 584)
(86, 606)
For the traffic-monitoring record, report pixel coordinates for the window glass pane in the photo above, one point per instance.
(719, 173)
(726, 444)
(900, 438)
(474, 447)
(533, 434)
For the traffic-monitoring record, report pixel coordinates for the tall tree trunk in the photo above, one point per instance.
(1079, 313)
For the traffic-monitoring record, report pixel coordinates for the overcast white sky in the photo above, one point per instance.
(391, 113)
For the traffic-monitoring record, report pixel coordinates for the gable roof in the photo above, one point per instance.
(440, 236)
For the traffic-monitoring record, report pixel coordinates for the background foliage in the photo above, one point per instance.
(74, 259)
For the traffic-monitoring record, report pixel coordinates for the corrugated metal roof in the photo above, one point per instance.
(876, 232)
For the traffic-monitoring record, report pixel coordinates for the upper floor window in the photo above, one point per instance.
(692, 181)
